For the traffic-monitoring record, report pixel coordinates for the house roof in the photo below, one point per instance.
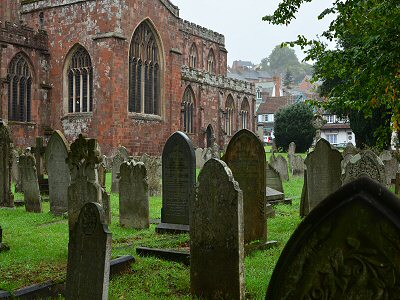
(273, 104)
(336, 126)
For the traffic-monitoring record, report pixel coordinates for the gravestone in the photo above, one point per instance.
(58, 172)
(133, 195)
(391, 165)
(121, 156)
(273, 178)
(199, 157)
(292, 148)
(39, 151)
(304, 203)
(6, 159)
(102, 174)
(280, 164)
(83, 161)
(153, 168)
(296, 164)
(178, 182)
(323, 172)
(30, 185)
(346, 248)
(348, 153)
(216, 235)
(245, 156)
(365, 163)
(15, 174)
(89, 255)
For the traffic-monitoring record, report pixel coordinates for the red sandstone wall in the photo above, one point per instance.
(9, 10)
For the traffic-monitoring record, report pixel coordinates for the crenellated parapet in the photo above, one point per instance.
(223, 82)
(202, 32)
(22, 35)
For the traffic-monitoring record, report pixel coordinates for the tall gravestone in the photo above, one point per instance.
(30, 185)
(273, 178)
(121, 156)
(133, 195)
(89, 255)
(323, 172)
(346, 248)
(83, 161)
(280, 164)
(58, 172)
(6, 158)
(39, 151)
(245, 156)
(178, 182)
(365, 163)
(216, 235)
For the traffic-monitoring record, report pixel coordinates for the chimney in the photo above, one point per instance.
(278, 85)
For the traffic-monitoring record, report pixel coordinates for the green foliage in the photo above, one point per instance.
(363, 72)
(293, 124)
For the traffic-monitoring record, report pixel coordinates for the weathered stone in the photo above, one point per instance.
(245, 156)
(365, 163)
(348, 152)
(273, 178)
(318, 122)
(58, 172)
(83, 161)
(216, 235)
(121, 156)
(153, 167)
(102, 174)
(292, 148)
(15, 174)
(274, 196)
(296, 164)
(346, 248)
(6, 160)
(39, 151)
(30, 185)
(133, 195)
(323, 172)
(199, 158)
(391, 166)
(89, 255)
(178, 182)
(304, 203)
(280, 164)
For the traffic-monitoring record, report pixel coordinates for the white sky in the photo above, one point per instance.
(247, 37)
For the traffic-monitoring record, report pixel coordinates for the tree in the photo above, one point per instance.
(288, 79)
(366, 63)
(293, 123)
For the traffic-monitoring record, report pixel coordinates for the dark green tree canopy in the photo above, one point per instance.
(293, 123)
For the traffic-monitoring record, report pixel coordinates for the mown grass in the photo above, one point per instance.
(39, 246)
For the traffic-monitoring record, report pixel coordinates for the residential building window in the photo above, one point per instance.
(80, 82)
(193, 56)
(332, 138)
(330, 118)
(211, 62)
(245, 113)
(144, 72)
(229, 113)
(258, 94)
(188, 110)
(19, 89)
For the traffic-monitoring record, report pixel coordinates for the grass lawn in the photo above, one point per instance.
(39, 246)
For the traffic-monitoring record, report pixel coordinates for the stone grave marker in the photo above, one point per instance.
(121, 156)
(89, 255)
(102, 174)
(39, 152)
(296, 164)
(280, 164)
(199, 157)
(6, 160)
(273, 178)
(133, 195)
(292, 148)
(365, 163)
(347, 153)
(153, 168)
(216, 235)
(15, 174)
(83, 161)
(30, 185)
(245, 156)
(178, 182)
(304, 203)
(323, 172)
(391, 165)
(58, 172)
(346, 248)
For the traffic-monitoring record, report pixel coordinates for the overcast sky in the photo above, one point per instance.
(247, 37)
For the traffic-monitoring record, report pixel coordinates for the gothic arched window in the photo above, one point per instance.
(144, 72)
(80, 82)
(19, 89)
(211, 62)
(193, 56)
(229, 113)
(244, 113)
(188, 110)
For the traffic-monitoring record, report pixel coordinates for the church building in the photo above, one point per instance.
(127, 72)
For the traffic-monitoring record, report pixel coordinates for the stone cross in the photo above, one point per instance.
(89, 255)
(216, 235)
(30, 185)
(6, 159)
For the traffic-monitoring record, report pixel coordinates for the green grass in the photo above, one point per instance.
(39, 245)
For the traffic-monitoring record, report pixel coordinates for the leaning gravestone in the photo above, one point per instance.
(245, 156)
(273, 179)
(296, 164)
(391, 166)
(133, 195)
(83, 161)
(365, 163)
(292, 148)
(121, 156)
(280, 164)
(323, 172)
(58, 172)
(178, 182)
(30, 185)
(346, 248)
(216, 235)
(6, 159)
(89, 255)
